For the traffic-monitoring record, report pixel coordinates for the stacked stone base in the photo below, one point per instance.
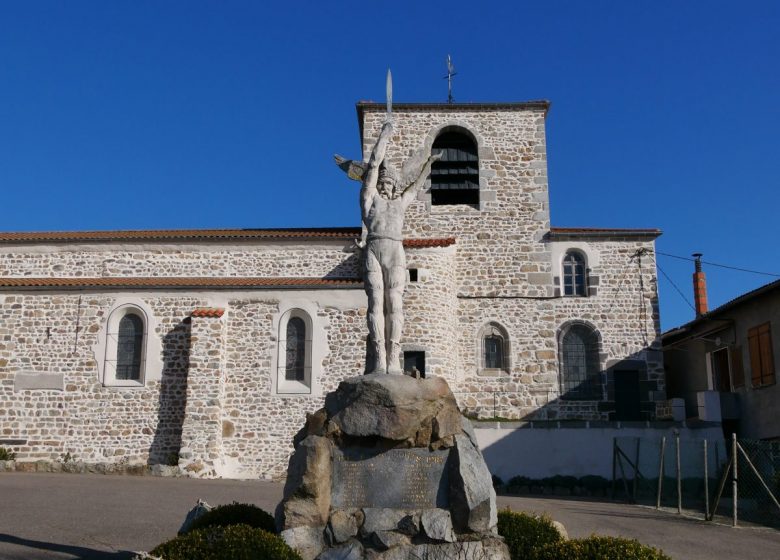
(381, 441)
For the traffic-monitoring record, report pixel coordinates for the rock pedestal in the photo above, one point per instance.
(389, 470)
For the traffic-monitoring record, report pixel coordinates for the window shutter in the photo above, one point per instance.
(737, 370)
(755, 357)
(767, 360)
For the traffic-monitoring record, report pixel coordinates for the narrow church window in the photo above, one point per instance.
(574, 277)
(412, 275)
(129, 347)
(579, 352)
(294, 353)
(455, 177)
(296, 350)
(494, 349)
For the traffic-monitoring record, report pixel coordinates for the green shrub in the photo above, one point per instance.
(594, 483)
(561, 481)
(498, 484)
(237, 542)
(516, 483)
(235, 514)
(599, 548)
(6, 455)
(526, 534)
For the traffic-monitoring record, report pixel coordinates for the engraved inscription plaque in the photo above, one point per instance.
(398, 478)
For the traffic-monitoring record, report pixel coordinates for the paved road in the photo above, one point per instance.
(62, 516)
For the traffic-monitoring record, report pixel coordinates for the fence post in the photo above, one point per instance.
(734, 493)
(636, 467)
(679, 472)
(614, 465)
(706, 484)
(660, 474)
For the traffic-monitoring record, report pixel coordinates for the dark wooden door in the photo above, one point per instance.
(627, 395)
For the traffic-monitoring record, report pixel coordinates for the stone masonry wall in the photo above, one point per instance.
(500, 241)
(56, 333)
(296, 259)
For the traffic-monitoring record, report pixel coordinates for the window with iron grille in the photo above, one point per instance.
(455, 177)
(574, 274)
(579, 355)
(295, 355)
(494, 348)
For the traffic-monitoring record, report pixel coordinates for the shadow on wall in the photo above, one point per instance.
(621, 391)
(348, 268)
(173, 395)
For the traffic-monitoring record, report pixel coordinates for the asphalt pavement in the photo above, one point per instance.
(67, 516)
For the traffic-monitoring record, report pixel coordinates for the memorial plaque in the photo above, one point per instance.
(398, 478)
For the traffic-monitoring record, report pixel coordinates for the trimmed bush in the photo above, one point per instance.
(526, 535)
(599, 548)
(235, 514)
(237, 542)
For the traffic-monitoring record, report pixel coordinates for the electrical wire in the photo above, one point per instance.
(679, 291)
(719, 265)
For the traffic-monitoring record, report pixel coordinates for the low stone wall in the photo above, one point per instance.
(79, 467)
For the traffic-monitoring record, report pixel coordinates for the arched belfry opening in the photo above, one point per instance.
(455, 177)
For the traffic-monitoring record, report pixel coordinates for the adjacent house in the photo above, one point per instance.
(723, 362)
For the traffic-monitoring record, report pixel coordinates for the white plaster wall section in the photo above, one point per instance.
(547, 451)
(106, 345)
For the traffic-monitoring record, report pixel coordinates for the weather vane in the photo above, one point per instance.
(450, 73)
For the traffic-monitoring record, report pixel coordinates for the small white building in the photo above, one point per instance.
(208, 347)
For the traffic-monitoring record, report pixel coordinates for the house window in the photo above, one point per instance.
(494, 349)
(762, 364)
(574, 274)
(455, 177)
(294, 358)
(129, 347)
(124, 361)
(579, 358)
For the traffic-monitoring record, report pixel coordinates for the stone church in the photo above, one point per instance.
(206, 348)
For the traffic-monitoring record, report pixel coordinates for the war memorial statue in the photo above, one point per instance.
(384, 197)
(389, 468)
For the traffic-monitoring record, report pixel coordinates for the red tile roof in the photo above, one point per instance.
(177, 234)
(214, 312)
(569, 232)
(345, 234)
(180, 283)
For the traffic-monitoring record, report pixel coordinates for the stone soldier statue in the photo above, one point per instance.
(384, 197)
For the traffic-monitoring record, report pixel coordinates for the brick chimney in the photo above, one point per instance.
(699, 287)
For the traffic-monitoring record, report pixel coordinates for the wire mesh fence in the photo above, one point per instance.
(697, 476)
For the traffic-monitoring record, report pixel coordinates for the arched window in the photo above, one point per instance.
(455, 177)
(574, 274)
(294, 357)
(579, 360)
(126, 346)
(129, 347)
(494, 349)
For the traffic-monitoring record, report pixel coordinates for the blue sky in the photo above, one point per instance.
(132, 115)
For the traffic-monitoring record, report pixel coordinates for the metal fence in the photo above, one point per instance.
(700, 477)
